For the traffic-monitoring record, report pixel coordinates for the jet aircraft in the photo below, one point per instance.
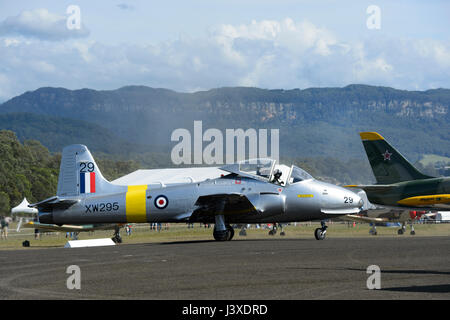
(401, 192)
(250, 191)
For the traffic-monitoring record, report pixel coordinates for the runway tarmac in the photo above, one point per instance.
(276, 268)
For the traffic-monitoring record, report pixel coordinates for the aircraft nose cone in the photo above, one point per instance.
(355, 201)
(338, 200)
(361, 203)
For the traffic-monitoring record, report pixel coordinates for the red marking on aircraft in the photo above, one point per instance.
(387, 155)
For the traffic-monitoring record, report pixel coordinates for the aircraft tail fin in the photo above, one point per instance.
(388, 165)
(80, 175)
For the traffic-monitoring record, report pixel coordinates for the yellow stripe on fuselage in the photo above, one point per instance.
(426, 200)
(135, 204)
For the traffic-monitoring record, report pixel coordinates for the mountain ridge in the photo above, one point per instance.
(313, 121)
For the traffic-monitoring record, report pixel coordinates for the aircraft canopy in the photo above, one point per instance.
(264, 169)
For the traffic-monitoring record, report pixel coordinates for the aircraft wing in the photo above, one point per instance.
(358, 218)
(69, 228)
(54, 203)
(234, 204)
(387, 214)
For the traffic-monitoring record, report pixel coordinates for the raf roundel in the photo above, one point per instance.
(161, 202)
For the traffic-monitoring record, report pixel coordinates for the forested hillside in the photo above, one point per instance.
(26, 170)
(30, 170)
(321, 122)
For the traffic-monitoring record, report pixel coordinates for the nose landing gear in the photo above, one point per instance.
(320, 233)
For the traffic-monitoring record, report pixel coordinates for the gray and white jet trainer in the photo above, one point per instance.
(250, 191)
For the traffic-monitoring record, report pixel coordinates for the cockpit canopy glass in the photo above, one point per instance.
(264, 169)
(298, 175)
(258, 167)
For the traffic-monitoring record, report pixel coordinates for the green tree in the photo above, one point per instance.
(4, 203)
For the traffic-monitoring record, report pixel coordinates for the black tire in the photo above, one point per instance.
(319, 234)
(221, 235)
(230, 233)
(413, 233)
(282, 233)
(400, 231)
(117, 239)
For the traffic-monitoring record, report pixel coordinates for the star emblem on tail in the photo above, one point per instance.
(386, 155)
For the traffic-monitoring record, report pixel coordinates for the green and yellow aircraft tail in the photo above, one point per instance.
(388, 165)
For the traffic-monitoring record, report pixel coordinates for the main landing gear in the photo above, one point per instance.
(116, 237)
(274, 229)
(320, 233)
(403, 229)
(222, 231)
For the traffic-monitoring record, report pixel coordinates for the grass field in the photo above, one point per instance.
(141, 233)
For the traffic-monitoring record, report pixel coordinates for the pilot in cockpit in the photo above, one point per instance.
(276, 177)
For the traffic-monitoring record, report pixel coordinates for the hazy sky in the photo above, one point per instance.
(198, 45)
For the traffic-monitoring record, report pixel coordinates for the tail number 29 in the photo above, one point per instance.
(87, 167)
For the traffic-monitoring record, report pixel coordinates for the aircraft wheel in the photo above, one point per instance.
(117, 239)
(221, 235)
(400, 231)
(319, 234)
(230, 233)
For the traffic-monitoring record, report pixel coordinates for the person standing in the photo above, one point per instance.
(4, 225)
(36, 231)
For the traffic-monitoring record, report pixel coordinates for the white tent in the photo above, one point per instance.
(23, 208)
